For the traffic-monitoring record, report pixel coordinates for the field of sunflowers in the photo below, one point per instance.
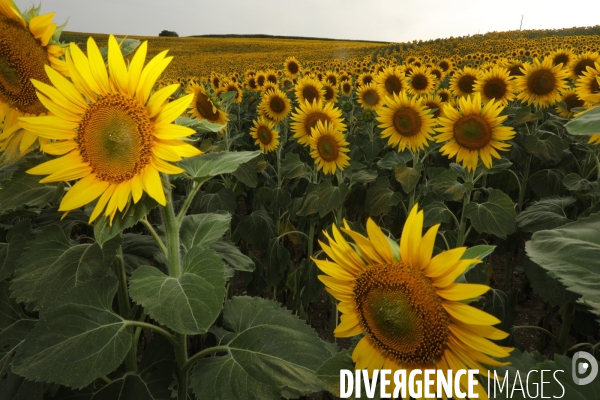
(242, 218)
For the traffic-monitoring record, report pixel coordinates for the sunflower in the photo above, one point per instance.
(514, 67)
(215, 80)
(114, 138)
(541, 83)
(292, 66)
(331, 92)
(364, 79)
(271, 76)
(472, 131)
(406, 122)
(571, 100)
(328, 148)
(275, 105)
(309, 89)
(495, 84)
(390, 81)
(588, 85)
(562, 56)
(227, 85)
(582, 62)
(267, 138)
(444, 94)
(433, 102)
(261, 79)
(346, 88)
(251, 83)
(421, 81)
(28, 45)
(463, 81)
(368, 97)
(204, 107)
(307, 115)
(407, 303)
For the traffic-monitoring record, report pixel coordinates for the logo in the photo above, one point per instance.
(580, 368)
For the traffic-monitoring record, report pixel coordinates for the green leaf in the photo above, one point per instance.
(17, 239)
(545, 214)
(272, 351)
(52, 265)
(257, 228)
(75, 343)
(408, 176)
(280, 199)
(548, 148)
(138, 250)
(202, 230)
(24, 190)
(329, 373)
(570, 254)
(547, 287)
(391, 159)
(208, 165)
(380, 198)
(292, 167)
(223, 200)
(188, 304)
(278, 261)
(547, 182)
(436, 213)
(498, 165)
(200, 126)
(524, 115)
(476, 273)
(233, 256)
(246, 174)
(330, 197)
(103, 231)
(14, 387)
(576, 183)
(447, 185)
(309, 201)
(586, 124)
(362, 176)
(496, 216)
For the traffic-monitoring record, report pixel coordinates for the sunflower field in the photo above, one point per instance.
(225, 224)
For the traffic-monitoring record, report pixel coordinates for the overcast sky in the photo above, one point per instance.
(381, 20)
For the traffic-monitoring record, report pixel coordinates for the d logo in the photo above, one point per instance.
(582, 367)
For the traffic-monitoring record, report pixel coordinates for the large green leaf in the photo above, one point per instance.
(202, 230)
(547, 287)
(104, 231)
(75, 343)
(199, 125)
(548, 148)
(208, 165)
(447, 185)
(246, 173)
(257, 228)
(545, 214)
(24, 190)
(292, 167)
(380, 198)
(547, 182)
(223, 200)
(408, 176)
(570, 254)
(272, 351)
(330, 198)
(233, 256)
(188, 304)
(309, 200)
(391, 159)
(496, 216)
(329, 372)
(52, 265)
(151, 381)
(436, 212)
(17, 239)
(586, 124)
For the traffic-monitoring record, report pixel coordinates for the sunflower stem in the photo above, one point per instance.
(124, 305)
(157, 238)
(569, 315)
(182, 360)
(523, 186)
(188, 200)
(460, 239)
(172, 230)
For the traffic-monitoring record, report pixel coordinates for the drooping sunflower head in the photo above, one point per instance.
(406, 300)
(569, 100)
(275, 104)
(307, 115)
(463, 82)
(265, 135)
(113, 137)
(541, 83)
(204, 106)
(406, 122)
(391, 81)
(328, 148)
(309, 89)
(292, 66)
(421, 81)
(472, 131)
(368, 97)
(582, 62)
(28, 44)
(495, 84)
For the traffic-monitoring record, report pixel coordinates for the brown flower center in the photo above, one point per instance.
(407, 121)
(419, 82)
(312, 119)
(393, 84)
(582, 65)
(541, 82)
(277, 104)
(402, 313)
(466, 83)
(293, 68)
(311, 93)
(495, 88)
(572, 101)
(560, 59)
(472, 132)
(115, 137)
(206, 108)
(370, 97)
(328, 148)
(264, 134)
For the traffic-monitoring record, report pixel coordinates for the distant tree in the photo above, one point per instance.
(168, 33)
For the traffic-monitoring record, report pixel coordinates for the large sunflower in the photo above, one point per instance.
(267, 138)
(307, 115)
(204, 108)
(328, 148)
(114, 138)
(495, 84)
(310, 89)
(407, 302)
(368, 97)
(275, 105)
(463, 82)
(562, 56)
(406, 122)
(472, 131)
(421, 81)
(541, 83)
(27, 47)
(582, 62)
(390, 81)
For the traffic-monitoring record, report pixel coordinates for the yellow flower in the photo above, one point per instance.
(267, 138)
(309, 89)
(307, 116)
(472, 131)
(328, 148)
(292, 66)
(495, 84)
(463, 82)
(421, 81)
(407, 302)
(541, 83)
(368, 97)
(204, 108)
(113, 137)
(275, 105)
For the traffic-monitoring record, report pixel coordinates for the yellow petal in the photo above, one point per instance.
(153, 185)
(135, 68)
(102, 202)
(462, 291)
(379, 241)
(97, 66)
(116, 65)
(172, 131)
(58, 164)
(83, 192)
(158, 98)
(174, 109)
(468, 314)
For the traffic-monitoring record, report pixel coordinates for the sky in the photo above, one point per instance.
(377, 20)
